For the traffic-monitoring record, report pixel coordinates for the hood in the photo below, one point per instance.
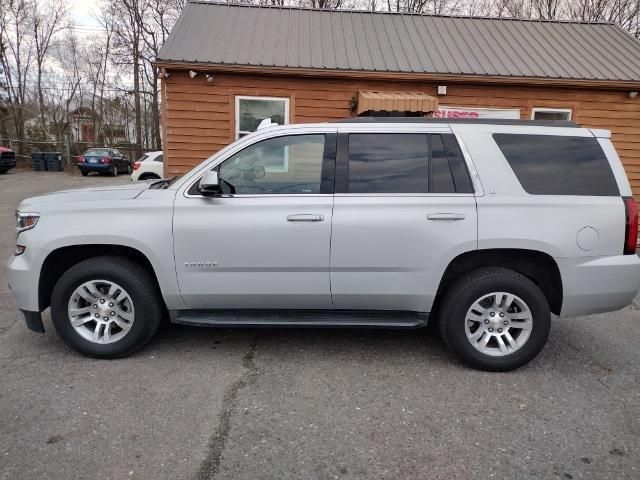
(95, 194)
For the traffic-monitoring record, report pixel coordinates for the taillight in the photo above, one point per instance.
(81, 159)
(631, 226)
(105, 160)
(136, 165)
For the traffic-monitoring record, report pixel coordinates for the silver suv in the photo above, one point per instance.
(486, 227)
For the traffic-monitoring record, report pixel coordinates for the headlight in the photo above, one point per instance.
(26, 221)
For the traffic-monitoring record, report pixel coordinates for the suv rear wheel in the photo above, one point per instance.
(106, 307)
(495, 319)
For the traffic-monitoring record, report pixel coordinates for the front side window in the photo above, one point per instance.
(551, 114)
(299, 158)
(558, 165)
(250, 111)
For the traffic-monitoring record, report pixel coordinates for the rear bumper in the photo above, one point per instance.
(597, 285)
(98, 167)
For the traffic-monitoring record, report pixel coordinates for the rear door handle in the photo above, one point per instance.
(305, 217)
(446, 217)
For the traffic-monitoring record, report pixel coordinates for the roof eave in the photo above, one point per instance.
(400, 76)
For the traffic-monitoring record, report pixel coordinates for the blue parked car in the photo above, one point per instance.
(103, 160)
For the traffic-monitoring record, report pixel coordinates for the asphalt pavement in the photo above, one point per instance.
(310, 404)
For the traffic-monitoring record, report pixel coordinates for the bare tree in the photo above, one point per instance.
(16, 59)
(127, 17)
(66, 92)
(159, 17)
(48, 19)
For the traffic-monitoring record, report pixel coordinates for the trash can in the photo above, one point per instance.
(54, 161)
(39, 162)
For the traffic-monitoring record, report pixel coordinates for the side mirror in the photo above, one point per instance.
(210, 184)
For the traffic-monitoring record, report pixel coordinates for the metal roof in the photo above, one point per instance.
(287, 37)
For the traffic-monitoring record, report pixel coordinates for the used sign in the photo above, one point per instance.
(465, 112)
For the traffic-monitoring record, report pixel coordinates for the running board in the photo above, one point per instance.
(300, 318)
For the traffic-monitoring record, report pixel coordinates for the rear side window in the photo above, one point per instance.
(449, 172)
(406, 163)
(159, 158)
(558, 165)
(388, 163)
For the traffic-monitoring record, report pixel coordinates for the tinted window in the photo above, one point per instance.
(388, 163)
(291, 164)
(457, 164)
(441, 175)
(449, 172)
(159, 158)
(555, 165)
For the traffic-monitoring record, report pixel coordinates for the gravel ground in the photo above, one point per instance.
(310, 404)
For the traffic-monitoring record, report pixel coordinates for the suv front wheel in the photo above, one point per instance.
(495, 319)
(106, 307)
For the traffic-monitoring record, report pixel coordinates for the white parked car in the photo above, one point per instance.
(486, 227)
(149, 167)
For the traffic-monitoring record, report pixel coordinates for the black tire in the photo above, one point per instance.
(114, 171)
(149, 176)
(461, 295)
(133, 278)
(2, 172)
(84, 174)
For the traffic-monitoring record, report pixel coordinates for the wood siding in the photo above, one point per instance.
(199, 117)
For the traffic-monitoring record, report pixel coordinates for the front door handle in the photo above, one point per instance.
(305, 217)
(446, 217)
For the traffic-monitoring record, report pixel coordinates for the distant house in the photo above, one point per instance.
(80, 123)
(225, 67)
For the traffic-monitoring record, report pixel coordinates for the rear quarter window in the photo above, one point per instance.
(558, 165)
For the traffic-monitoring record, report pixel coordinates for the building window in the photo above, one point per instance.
(551, 114)
(250, 111)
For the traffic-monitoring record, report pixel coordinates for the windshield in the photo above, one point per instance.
(102, 152)
(143, 158)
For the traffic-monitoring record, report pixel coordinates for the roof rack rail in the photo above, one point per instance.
(477, 121)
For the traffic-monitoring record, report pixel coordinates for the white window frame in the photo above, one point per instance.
(285, 166)
(251, 97)
(534, 110)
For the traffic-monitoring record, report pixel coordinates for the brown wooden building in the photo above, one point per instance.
(226, 67)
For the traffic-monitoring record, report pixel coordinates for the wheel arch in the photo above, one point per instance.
(538, 266)
(149, 176)
(62, 259)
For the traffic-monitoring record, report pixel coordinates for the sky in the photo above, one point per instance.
(83, 13)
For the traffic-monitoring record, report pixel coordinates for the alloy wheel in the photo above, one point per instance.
(101, 311)
(498, 323)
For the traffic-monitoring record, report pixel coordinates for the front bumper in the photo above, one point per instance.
(24, 288)
(33, 321)
(23, 274)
